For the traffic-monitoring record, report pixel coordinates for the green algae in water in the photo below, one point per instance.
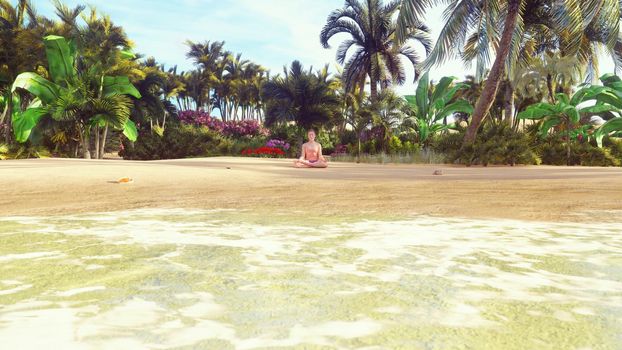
(220, 279)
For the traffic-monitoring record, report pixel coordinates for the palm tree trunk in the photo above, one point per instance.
(569, 128)
(373, 88)
(8, 119)
(509, 103)
(103, 144)
(84, 139)
(97, 142)
(358, 154)
(492, 83)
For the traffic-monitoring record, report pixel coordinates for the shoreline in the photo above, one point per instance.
(40, 187)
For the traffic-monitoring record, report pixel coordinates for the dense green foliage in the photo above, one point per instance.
(71, 85)
(178, 141)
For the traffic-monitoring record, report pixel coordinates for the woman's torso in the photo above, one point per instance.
(312, 151)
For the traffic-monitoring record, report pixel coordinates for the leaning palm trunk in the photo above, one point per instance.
(492, 83)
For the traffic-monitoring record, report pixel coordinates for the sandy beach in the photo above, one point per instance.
(64, 186)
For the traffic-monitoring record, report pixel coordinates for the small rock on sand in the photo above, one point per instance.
(438, 172)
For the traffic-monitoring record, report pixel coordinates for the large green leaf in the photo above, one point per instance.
(120, 85)
(609, 97)
(537, 111)
(61, 58)
(423, 129)
(613, 125)
(548, 124)
(127, 55)
(130, 131)
(42, 88)
(447, 96)
(462, 106)
(572, 114)
(24, 122)
(587, 93)
(441, 88)
(412, 101)
(599, 108)
(609, 78)
(422, 94)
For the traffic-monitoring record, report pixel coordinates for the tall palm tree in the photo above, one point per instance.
(388, 114)
(303, 96)
(155, 106)
(209, 57)
(484, 16)
(372, 29)
(21, 49)
(76, 96)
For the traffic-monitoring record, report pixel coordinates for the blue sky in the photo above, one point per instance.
(269, 32)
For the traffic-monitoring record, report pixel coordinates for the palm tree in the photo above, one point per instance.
(156, 89)
(303, 96)
(77, 96)
(210, 58)
(388, 114)
(484, 16)
(21, 48)
(372, 29)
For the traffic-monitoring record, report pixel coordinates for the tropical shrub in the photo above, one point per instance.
(553, 151)
(495, 144)
(233, 128)
(395, 145)
(570, 116)
(4, 151)
(178, 141)
(265, 151)
(275, 143)
(86, 97)
(432, 105)
(302, 96)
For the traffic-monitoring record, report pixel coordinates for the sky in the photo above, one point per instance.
(271, 33)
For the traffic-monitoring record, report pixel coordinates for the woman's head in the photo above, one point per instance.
(311, 134)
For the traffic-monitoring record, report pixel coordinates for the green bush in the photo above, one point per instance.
(348, 137)
(552, 151)
(328, 140)
(615, 147)
(395, 145)
(495, 144)
(178, 141)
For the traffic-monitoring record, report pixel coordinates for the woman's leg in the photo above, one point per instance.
(319, 164)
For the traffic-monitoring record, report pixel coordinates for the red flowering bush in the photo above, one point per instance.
(234, 128)
(264, 151)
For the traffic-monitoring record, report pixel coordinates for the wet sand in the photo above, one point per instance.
(540, 193)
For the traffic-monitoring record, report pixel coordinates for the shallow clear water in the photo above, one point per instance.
(217, 280)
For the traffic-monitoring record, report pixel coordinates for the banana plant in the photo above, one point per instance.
(431, 105)
(85, 97)
(614, 98)
(567, 113)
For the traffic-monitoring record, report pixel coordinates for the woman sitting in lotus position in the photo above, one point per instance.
(311, 156)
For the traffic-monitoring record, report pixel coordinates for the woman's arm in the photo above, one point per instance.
(320, 155)
(302, 153)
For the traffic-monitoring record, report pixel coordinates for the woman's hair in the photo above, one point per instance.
(311, 129)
